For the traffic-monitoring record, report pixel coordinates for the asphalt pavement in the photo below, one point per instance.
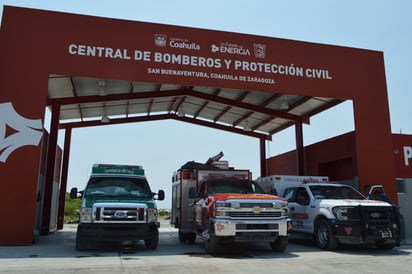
(56, 253)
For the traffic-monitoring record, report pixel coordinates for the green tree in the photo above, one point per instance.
(71, 209)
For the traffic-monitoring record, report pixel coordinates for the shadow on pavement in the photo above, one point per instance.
(61, 244)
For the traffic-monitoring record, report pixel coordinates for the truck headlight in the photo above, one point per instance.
(85, 215)
(277, 205)
(222, 209)
(151, 215)
(221, 213)
(285, 211)
(222, 204)
(341, 213)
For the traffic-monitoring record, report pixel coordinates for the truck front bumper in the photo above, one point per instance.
(365, 234)
(251, 228)
(115, 232)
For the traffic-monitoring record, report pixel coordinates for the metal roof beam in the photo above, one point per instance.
(216, 93)
(149, 106)
(264, 104)
(73, 89)
(165, 117)
(255, 108)
(179, 92)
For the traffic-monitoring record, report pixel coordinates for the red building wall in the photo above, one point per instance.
(337, 158)
(285, 163)
(334, 157)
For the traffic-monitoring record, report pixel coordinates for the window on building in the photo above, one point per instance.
(401, 185)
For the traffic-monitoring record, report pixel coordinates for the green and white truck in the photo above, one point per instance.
(117, 207)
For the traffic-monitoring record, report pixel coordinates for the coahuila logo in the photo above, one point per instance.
(161, 41)
(183, 44)
(230, 49)
(28, 131)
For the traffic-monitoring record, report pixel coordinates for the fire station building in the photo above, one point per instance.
(91, 71)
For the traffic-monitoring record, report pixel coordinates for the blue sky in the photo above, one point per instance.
(163, 146)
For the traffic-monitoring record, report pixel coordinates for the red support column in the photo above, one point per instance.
(50, 163)
(263, 164)
(63, 185)
(300, 149)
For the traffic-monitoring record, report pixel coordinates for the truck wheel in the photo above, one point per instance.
(324, 236)
(386, 246)
(152, 242)
(280, 244)
(82, 244)
(189, 237)
(182, 236)
(211, 244)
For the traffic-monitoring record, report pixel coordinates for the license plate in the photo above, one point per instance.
(255, 237)
(386, 234)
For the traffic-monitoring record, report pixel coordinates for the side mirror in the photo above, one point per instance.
(73, 193)
(160, 195)
(192, 193)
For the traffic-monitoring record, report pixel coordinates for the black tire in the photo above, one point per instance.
(280, 244)
(211, 244)
(324, 237)
(81, 244)
(182, 236)
(386, 246)
(152, 242)
(189, 237)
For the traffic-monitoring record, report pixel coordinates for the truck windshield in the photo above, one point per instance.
(118, 187)
(335, 192)
(234, 186)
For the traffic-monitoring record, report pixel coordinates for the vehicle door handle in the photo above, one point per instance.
(292, 208)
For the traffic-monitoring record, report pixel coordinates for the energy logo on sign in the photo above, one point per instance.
(215, 48)
(28, 131)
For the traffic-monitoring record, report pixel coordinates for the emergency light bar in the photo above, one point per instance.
(117, 169)
(220, 175)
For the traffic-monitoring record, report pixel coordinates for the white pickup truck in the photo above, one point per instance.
(336, 213)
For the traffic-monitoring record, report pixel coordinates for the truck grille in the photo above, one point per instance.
(118, 213)
(253, 215)
(257, 226)
(377, 216)
(237, 209)
(251, 205)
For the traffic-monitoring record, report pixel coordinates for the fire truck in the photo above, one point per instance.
(333, 213)
(117, 207)
(223, 205)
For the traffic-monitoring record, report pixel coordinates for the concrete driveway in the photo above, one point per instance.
(56, 253)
